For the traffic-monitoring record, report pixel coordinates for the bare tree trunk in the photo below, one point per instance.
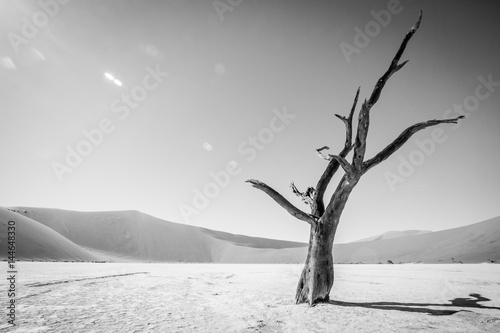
(316, 279)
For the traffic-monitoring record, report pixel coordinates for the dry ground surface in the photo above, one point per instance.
(93, 297)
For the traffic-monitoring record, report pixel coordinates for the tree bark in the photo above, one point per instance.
(316, 279)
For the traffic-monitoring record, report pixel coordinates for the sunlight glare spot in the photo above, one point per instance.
(7, 63)
(220, 69)
(152, 50)
(207, 146)
(109, 76)
(117, 82)
(39, 54)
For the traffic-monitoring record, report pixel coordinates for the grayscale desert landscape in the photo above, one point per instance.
(267, 166)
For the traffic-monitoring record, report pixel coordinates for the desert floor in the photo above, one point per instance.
(94, 297)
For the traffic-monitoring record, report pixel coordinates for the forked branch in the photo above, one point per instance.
(364, 115)
(294, 211)
(395, 66)
(345, 165)
(318, 207)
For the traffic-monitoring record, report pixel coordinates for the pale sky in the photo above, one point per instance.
(182, 90)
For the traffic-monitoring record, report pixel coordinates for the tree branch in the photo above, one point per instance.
(320, 154)
(344, 164)
(306, 197)
(364, 115)
(402, 139)
(362, 133)
(348, 124)
(394, 67)
(294, 211)
(339, 199)
(318, 207)
(341, 183)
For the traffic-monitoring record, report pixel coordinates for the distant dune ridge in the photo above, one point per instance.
(393, 234)
(131, 236)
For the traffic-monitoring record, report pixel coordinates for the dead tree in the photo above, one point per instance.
(316, 279)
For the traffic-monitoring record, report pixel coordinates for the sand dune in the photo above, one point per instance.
(125, 236)
(393, 234)
(36, 241)
(134, 236)
(474, 243)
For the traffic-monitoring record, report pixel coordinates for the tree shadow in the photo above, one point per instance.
(422, 307)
